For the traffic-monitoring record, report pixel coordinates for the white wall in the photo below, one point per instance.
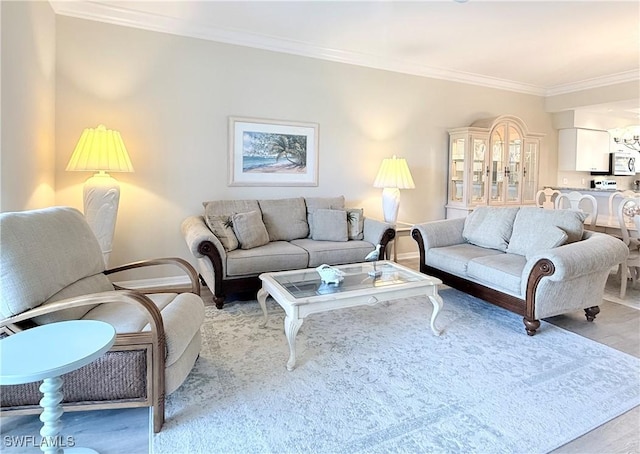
(170, 97)
(27, 106)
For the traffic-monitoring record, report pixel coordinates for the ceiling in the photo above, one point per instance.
(537, 47)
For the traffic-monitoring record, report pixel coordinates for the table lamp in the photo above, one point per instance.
(393, 175)
(101, 150)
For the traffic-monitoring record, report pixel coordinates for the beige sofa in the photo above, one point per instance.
(531, 261)
(235, 241)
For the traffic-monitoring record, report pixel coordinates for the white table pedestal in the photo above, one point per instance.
(46, 353)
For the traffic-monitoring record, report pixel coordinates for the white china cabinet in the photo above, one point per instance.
(492, 162)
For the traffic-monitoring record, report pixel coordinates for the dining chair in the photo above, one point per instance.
(612, 202)
(628, 215)
(576, 201)
(546, 197)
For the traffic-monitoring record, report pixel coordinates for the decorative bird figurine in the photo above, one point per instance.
(330, 275)
(373, 256)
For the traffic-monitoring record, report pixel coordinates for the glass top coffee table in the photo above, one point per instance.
(301, 293)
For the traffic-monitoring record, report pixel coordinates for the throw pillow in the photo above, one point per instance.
(222, 227)
(529, 239)
(355, 220)
(321, 203)
(285, 219)
(490, 227)
(330, 225)
(250, 229)
(569, 221)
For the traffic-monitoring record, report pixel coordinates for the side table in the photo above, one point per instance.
(46, 353)
(402, 229)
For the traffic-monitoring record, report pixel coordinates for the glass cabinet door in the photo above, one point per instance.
(456, 172)
(530, 171)
(513, 167)
(479, 172)
(497, 167)
(495, 161)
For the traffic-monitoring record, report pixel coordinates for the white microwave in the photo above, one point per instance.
(622, 163)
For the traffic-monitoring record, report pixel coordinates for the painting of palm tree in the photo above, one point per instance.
(268, 152)
(272, 152)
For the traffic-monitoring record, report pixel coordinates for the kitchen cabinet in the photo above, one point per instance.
(492, 162)
(583, 150)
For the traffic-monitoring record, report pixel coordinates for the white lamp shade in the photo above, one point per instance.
(100, 149)
(394, 173)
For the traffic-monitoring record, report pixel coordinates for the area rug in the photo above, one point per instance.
(376, 380)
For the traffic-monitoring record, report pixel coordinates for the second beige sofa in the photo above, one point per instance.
(234, 241)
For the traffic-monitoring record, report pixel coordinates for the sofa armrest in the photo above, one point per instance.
(196, 232)
(378, 232)
(596, 252)
(442, 233)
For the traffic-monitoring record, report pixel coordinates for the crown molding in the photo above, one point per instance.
(627, 76)
(118, 15)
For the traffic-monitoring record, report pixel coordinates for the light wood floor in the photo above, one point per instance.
(618, 327)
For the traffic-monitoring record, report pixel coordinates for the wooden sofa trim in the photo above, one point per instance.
(252, 283)
(526, 307)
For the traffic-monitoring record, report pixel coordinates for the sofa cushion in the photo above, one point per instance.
(222, 227)
(230, 207)
(334, 252)
(285, 219)
(529, 239)
(355, 219)
(317, 203)
(182, 316)
(274, 256)
(499, 271)
(330, 225)
(490, 227)
(126, 317)
(250, 229)
(454, 259)
(569, 221)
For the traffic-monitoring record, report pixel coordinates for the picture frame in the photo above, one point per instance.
(265, 152)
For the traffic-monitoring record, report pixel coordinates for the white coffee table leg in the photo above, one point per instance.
(291, 327)
(437, 302)
(262, 299)
(51, 412)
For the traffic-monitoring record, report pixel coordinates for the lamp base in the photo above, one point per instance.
(390, 204)
(101, 196)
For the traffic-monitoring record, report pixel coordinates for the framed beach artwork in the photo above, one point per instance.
(272, 153)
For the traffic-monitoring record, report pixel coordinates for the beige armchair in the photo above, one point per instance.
(53, 270)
